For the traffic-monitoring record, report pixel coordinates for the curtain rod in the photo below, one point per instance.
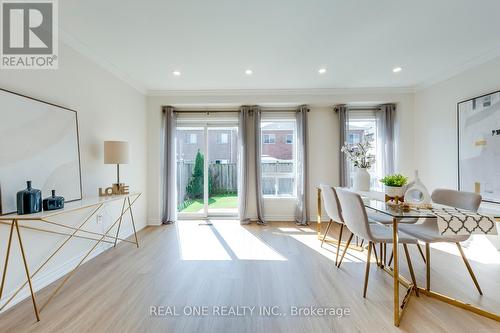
(206, 111)
(375, 108)
(226, 111)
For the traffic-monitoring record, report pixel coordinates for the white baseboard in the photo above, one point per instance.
(42, 280)
(154, 221)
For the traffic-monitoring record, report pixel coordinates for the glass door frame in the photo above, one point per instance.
(206, 125)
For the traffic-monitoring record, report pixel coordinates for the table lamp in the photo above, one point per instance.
(116, 152)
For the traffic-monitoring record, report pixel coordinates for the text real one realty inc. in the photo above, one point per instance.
(242, 311)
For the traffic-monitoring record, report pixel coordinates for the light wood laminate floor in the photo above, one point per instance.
(226, 264)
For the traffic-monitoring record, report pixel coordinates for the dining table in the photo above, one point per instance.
(404, 214)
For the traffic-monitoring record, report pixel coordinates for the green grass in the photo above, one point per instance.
(214, 202)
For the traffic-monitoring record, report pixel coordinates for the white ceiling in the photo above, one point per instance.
(284, 42)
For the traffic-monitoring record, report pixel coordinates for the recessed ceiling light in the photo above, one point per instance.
(322, 70)
(248, 72)
(397, 69)
(176, 73)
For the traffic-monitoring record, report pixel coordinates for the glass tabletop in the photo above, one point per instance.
(396, 211)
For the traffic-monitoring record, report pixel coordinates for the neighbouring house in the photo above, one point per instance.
(222, 145)
(277, 140)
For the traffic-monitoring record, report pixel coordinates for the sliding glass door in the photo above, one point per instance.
(191, 171)
(207, 170)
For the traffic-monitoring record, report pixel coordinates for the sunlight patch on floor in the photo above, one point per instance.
(479, 249)
(328, 250)
(244, 244)
(198, 242)
(222, 240)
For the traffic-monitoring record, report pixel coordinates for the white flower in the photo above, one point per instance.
(359, 154)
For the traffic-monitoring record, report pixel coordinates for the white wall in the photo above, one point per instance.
(436, 152)
(108, 109)
(323, 141)
(436, 145)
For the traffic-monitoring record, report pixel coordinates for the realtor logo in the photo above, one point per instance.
(29, 34)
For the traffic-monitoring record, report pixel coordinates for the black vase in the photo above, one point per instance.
(29, 201)
(53, 202)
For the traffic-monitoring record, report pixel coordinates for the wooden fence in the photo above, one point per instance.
(225, 176)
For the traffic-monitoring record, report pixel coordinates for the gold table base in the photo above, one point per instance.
(99, 238)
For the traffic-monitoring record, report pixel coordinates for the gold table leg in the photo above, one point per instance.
(318, 211)
(120, 223)
(7, 255)
(396, 270)
(133, 223)
(28, 276)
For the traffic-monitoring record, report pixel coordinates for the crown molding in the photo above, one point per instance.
(79, 47)
(281, 92)
(456, 70)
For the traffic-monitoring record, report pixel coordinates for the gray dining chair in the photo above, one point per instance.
(356, 220)
(428, 232)
(387, 220)
(334, 213)
(332, 208)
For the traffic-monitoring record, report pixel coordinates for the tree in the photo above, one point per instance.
(194, 190)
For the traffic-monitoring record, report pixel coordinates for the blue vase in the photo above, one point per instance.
(29, 201)
(53, 202)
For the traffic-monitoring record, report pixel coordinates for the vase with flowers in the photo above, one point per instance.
(361, 158)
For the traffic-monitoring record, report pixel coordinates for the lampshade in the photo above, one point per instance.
(115, 152)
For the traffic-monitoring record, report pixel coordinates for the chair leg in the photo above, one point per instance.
(338, 244)
(345, 250)
(469, 268)
(390, 259)
(362, 242)
(367, 271)
(381, 255)
(375, 253)
(385, 254)
(421, 252)
(326, 232)
(410, 267)
(428, 266)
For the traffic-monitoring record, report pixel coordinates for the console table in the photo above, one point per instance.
(38, 221)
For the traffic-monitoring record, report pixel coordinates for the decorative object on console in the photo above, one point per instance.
(479, 146)
(115, 152)
(359, 155)
(394, 187)
(29, 201)
(417, 194)
(53, 202)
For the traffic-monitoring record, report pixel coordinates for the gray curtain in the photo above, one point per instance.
(169, 182)
(386, 123)
(343, 115)
(302, 166)
(243, 158)
(258, 174)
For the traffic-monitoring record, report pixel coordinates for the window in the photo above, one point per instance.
(269, 138)
(354, 137)
(223, 138)
(192, 138)
(362, 127)
(278, 161)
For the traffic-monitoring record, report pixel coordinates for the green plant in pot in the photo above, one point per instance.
(394, 185)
